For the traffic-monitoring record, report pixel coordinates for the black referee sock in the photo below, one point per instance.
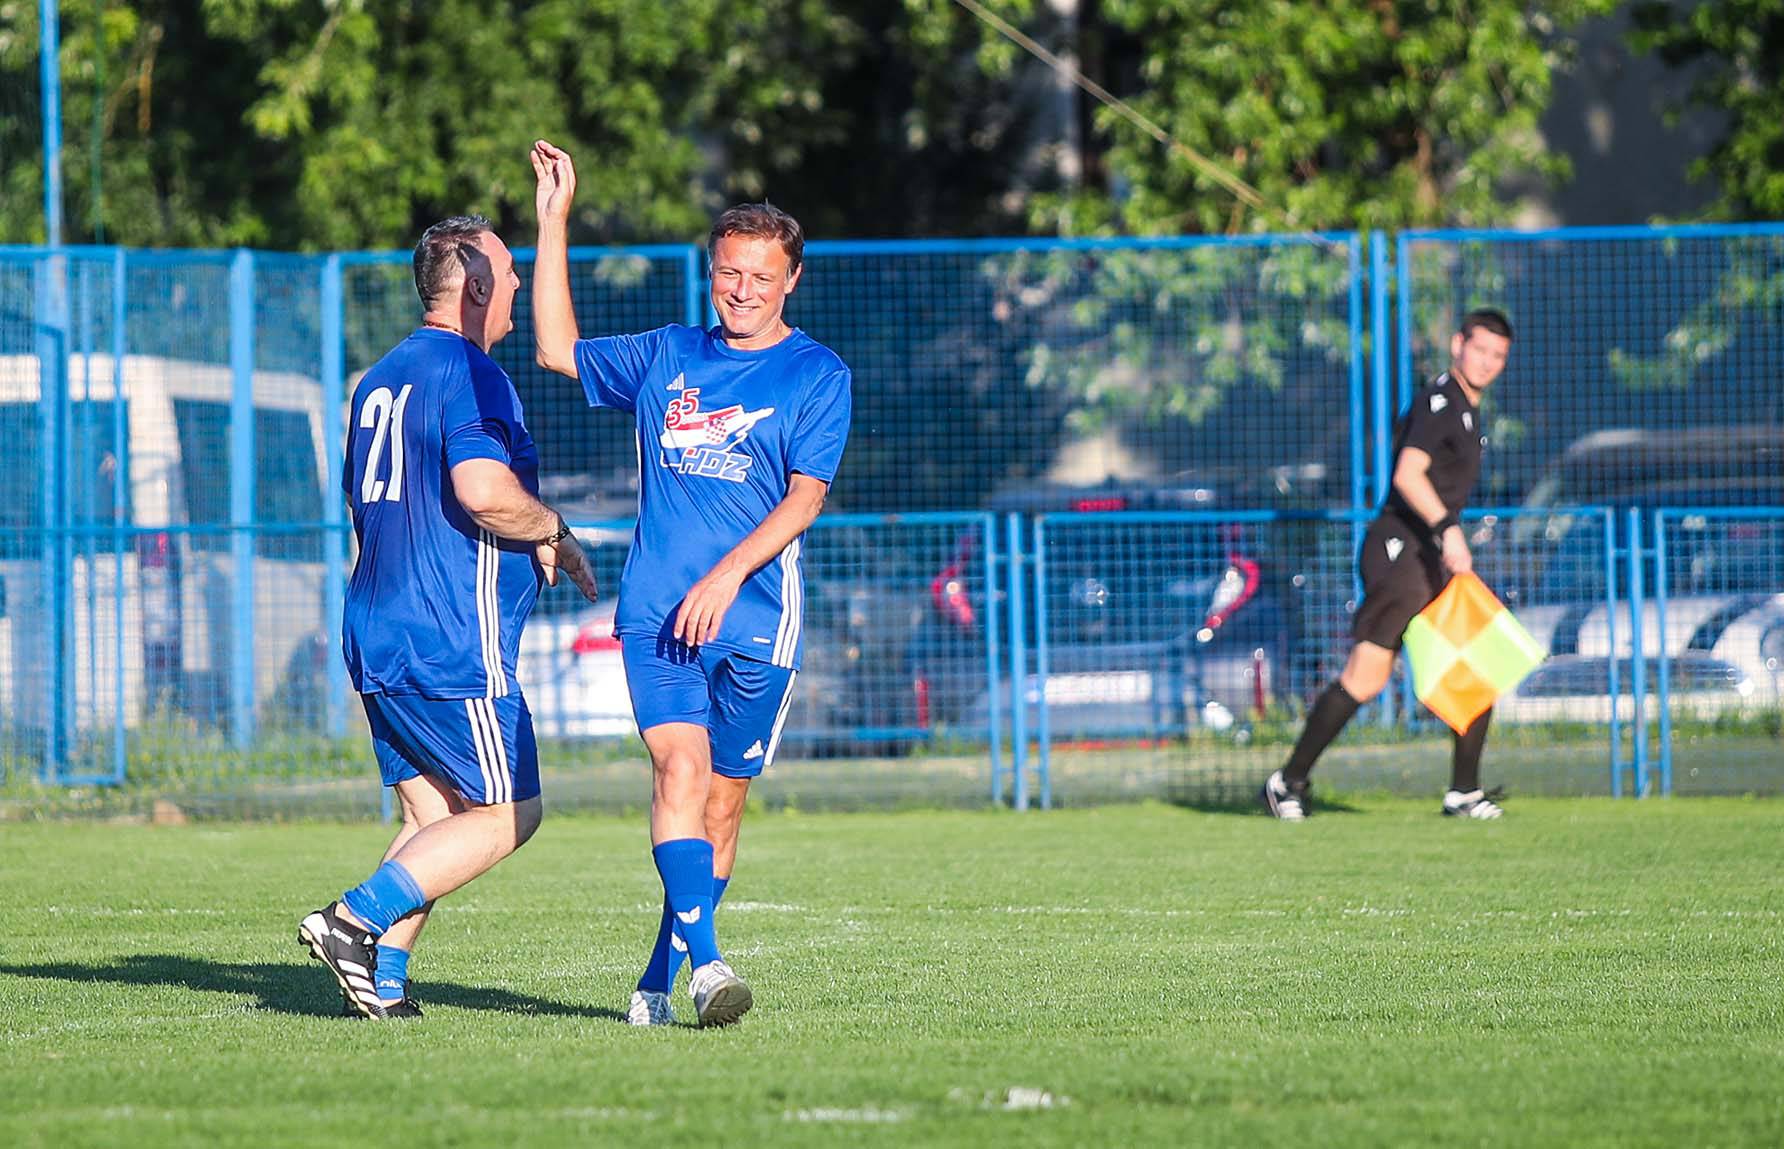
(1465, 766)
(1331, 710)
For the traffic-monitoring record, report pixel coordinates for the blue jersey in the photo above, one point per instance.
(720, 434)
(436, 604)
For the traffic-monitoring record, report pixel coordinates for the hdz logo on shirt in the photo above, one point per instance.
(700, 443)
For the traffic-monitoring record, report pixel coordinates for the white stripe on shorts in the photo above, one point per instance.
(780, 720)
(504, 777)
(480, 740)
(786, 638)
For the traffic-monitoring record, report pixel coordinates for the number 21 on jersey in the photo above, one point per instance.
(382, 415)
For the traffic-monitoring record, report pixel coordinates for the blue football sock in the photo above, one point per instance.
(659, 975)
(384, 897)
(665, 959)
(685, 866)
(393, 973)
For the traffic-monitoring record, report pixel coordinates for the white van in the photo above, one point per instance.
(176, 629)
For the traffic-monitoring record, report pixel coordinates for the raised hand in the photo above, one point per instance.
(556, 186)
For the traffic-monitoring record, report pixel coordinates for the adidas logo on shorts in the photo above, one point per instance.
(755, 751)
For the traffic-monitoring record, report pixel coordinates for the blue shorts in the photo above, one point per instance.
(741, 701)
(481, 747)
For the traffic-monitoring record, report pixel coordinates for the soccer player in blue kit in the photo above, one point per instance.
(739, 429)
(443, 480)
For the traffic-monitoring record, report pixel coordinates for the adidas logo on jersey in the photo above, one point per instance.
(678, 382)
(755, 751)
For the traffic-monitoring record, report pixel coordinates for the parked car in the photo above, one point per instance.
(1724, 654)
(851, 696)
(1151, 627)
(177, 629)
(1548, 564)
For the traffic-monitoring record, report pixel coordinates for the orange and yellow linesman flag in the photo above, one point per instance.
(1466, 651)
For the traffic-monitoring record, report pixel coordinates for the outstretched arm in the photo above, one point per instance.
(705, 605)
(554, 321)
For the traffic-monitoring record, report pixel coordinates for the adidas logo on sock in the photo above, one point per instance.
(755, 751)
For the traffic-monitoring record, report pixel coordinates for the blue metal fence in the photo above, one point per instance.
(1058, 445)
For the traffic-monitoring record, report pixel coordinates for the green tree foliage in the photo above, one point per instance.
(349, 123)
(1351, 114)
(1736, 51)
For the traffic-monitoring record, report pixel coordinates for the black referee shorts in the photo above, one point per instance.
(1401, 574)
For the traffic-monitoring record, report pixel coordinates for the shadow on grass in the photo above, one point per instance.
(289, 988)
(1248, 804)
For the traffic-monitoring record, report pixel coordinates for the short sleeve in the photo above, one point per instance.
(821, 429)
(481, 418)
(612, 368)
(1430, 422)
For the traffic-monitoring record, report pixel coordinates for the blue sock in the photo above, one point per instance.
(384, 897)
(665, 958)
(685, 866)
(393, 973)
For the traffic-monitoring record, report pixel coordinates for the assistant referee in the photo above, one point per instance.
(1415, 544)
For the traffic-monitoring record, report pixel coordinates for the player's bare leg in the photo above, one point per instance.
(724, 818)
(681, 777)
(424, 800)
(682, 783)
(650, 1004)
(447, 854)
(1366, 671)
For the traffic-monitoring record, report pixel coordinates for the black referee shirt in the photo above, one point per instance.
(1442, 423)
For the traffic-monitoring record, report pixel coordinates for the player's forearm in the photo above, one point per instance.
(525, 520)
(1413, 484)
(495, 500)
(554, 320)
(789, 519)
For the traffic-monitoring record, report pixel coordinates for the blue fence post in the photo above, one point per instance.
(993, 655)
(1403, 322)
(83, 539)
(51, 339)
(334, 535)
(1043, 733)
(1663, 671)
(120, 501)
(49, 78)
(1018, 670)
(1358, 408)
(241, 497)
(1638, 671)
(1380, 350)
(1610, 622)
(693, 299)
(1382, 412)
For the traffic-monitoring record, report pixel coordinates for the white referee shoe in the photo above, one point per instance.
(1470, 804)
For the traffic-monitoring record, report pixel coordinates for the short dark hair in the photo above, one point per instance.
(1489, 319)
(761, 221)
(442, 254)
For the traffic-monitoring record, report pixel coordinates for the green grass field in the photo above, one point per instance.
(1586, 972)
